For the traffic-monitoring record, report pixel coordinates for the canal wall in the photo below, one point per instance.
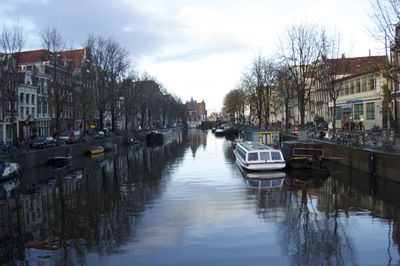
(40, 157)
(376, 162)
(372, 161)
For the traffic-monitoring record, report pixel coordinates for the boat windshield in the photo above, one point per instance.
(265, 156)
(253, 156)
(276, 155)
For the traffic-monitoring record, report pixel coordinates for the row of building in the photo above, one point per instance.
(364, 94)
(66, 90)
(33, 107)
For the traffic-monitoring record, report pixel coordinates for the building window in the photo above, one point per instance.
(370, 111)
(346, 90)
(338, 113)
(21, 111)
(351, 88)
(27, 98)
(27, 111)
(371, 84)
(358, 87)
(364, 85)
(33, 111)
(33, 99)
(358, 110)
(39, 106)
(40, 86)
(21, 97)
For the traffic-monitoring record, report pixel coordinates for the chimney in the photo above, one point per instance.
(369, 52)
(343, 55)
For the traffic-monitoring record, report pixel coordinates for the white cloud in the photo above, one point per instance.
(195, 48)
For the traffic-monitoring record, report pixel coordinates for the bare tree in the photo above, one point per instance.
(332, 71)
(257, 84)
(97, 47)
(235, 104)
(112, 62)
(130, 105)
(301, 51)
(269, 87)
(61, 75)
(286, 91)
(11, 43)
(386, 14)
(84, 93)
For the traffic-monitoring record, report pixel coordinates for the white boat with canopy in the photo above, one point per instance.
(258, 157)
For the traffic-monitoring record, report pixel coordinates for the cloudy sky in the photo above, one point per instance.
(195, 48)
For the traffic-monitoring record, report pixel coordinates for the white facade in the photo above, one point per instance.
(361, 99)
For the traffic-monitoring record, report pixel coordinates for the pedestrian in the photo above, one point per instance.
(346, 126)
(360, 126)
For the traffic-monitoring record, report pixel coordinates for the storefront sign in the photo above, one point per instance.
(353, 101)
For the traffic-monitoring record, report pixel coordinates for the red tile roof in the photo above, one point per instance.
(32, 56)
(76, 56)
(356, 66)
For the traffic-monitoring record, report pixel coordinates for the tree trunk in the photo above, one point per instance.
(334, 116)
(101, 117)
(113, 122)
(126, 117)
(13, 127)
(287, 113)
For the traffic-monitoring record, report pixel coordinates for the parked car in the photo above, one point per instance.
(70, 136)
(43, 142)
(295, 130)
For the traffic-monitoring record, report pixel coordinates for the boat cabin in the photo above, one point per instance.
(256, 156)
(266, 137)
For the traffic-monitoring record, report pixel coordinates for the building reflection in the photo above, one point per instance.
(62, 218)
(68, 213)
(313, 214)
(195, 139)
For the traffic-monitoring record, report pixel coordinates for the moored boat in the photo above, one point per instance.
(60, 161)
(262, 174)
(8, 170)
(220, 131)
(236, 141)
(108, 146)
(304, 154)
(258, 157)
(96, 150)
(155, 138)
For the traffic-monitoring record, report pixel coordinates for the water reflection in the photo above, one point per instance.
(172, 204)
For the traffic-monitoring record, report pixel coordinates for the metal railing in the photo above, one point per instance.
(383, 139)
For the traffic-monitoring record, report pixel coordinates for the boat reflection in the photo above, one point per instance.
(267, 180)
(265, 183)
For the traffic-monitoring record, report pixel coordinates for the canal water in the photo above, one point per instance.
(187, 203)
